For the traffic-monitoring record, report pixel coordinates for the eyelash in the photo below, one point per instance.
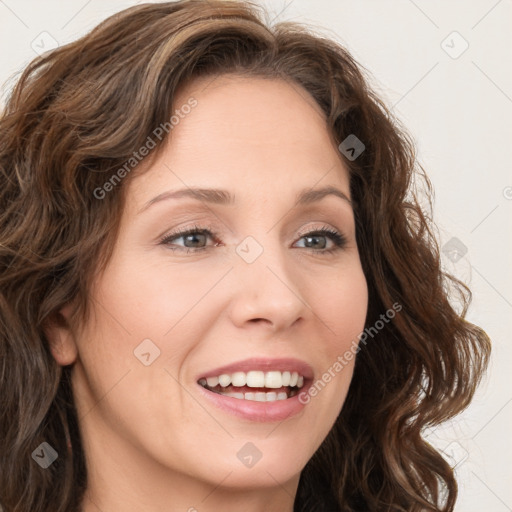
(339, 240)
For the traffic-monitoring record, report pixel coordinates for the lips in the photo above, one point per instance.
(258, 389)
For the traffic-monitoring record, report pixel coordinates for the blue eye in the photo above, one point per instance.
(197, 238)
(337, 238)
(194, 236)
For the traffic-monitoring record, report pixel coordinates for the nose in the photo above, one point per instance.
(266, 292)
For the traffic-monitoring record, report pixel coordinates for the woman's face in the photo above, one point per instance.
(260, 298)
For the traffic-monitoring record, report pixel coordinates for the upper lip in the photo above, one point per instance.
(262, 364)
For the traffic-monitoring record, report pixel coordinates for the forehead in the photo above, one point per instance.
(245, 133)
(249, 110)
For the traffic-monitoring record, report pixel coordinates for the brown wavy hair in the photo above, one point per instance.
(77, 114)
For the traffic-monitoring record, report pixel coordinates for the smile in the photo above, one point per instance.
(257, 386)
(258, 389)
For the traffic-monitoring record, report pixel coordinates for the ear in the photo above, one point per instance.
(61, 338)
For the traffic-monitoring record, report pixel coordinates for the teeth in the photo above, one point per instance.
(256, 379)
(273, 380)
(212, 381)
(260, 396)
(225, 380)
(234, 395)
(238, 379)
(271, 396)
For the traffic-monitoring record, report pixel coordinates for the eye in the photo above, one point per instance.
(195, 239)
(314, 240)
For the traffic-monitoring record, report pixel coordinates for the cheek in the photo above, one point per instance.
(157, 293)
(341, 303)
(133, 310)
(148, 298)
(136, 301)
(341, 307)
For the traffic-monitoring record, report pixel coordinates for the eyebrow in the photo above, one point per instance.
(223, 197)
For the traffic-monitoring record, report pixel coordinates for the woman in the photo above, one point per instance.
(218, 290)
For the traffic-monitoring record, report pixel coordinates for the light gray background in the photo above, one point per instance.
(458, 111)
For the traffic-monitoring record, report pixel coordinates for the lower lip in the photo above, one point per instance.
(278, 410)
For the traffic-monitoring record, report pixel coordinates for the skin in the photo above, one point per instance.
(151, 440)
